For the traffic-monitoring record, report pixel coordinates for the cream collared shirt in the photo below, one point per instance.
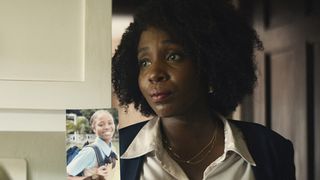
(234, 164)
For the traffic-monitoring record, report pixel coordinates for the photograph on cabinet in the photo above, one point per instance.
(92, 144)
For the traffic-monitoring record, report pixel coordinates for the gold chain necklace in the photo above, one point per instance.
(192, 159)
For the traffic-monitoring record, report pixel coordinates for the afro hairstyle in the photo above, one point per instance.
(218, 38)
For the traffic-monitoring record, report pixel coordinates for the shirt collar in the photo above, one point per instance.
(234, 141)
(146, 140)
(149, 139)
(106, 148)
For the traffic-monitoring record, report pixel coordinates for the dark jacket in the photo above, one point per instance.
(272, 153)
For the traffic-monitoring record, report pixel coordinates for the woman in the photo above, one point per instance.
(86, 162)
(189, 63)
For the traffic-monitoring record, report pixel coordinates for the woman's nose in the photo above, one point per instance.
(158, 73)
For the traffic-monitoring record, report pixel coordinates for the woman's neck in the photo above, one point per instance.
(192, 128)
(193, 141)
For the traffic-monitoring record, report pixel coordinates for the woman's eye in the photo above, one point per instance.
(173, 57)
(143, 63)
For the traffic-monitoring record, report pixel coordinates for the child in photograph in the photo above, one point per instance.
(86, 164)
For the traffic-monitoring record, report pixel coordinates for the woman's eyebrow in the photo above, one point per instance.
(142, 49)
(168, 42)
(164, 42)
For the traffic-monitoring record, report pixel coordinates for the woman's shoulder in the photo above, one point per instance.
(132, 130)
(269, 149)
(260, 138)
(256, 130)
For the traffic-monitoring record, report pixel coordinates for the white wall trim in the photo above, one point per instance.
(32, 120)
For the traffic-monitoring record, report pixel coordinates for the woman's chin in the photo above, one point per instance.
(166, 113)
(163, 112)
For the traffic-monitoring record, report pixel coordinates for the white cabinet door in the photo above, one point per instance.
(55, 54)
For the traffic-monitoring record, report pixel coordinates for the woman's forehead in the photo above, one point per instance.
(153, 33)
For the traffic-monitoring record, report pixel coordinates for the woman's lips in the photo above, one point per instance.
(159, 97)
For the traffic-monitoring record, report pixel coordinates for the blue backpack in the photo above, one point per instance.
(74, 150)
(71, 153)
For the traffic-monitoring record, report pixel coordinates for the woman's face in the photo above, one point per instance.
(104, 127)
(167, 78)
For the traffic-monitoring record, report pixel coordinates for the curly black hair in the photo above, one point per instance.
(219, 40)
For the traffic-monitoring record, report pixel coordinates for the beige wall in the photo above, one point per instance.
(44, 152)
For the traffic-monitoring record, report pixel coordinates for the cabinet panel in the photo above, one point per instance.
(60, 57)
(42, 40)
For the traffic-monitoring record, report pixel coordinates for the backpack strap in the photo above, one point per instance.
(98, 155)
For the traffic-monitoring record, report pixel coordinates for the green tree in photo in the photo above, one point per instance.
(80, 127)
